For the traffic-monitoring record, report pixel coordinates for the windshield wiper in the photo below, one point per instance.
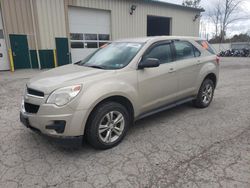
(77, 63)
(95, 66)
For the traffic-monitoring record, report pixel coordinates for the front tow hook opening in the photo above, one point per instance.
(58, 126)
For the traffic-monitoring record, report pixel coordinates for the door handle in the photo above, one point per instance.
(171, 70)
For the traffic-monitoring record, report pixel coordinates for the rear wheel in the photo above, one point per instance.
(108, 125)
(205, 95)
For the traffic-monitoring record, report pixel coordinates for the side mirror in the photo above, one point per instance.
(149, 63)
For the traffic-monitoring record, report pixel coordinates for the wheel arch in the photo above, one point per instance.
(115, 98)
(212, 77)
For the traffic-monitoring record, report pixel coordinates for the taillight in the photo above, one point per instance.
(217, 59)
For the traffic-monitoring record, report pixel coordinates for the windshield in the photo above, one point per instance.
(112, 56)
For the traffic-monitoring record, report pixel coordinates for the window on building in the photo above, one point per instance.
(76, 36)
(1, 34)
(102, 44)
(90, 36)
(91, 45)
(103, 37)
(88, 40)
(77, 45)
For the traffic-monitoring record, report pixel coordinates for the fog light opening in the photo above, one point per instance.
(58, 126)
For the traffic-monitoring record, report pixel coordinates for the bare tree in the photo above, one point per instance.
(191, 3)
(223, 14)
(216, 17)
(230, 7)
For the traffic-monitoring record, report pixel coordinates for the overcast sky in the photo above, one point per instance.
(242, 26)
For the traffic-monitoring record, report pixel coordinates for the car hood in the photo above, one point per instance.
(63, 76)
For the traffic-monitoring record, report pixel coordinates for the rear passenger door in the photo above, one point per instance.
(158, 86)
(188, 66)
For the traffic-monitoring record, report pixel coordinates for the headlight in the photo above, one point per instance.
(64, 95)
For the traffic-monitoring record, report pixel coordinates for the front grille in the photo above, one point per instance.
(35, 92)
(31, 108)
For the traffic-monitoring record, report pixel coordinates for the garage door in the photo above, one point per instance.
(89, 30)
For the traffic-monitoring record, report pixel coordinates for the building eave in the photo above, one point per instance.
(174, 5)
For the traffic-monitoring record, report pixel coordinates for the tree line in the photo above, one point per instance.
(236, 38)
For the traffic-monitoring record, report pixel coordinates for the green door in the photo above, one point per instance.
(20, 51)
(62, 51)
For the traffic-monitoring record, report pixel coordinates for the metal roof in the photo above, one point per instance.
(174, 5)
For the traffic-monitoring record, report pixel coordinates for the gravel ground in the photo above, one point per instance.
(181, 147)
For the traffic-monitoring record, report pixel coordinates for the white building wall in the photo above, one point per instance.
(18, 19)
(125, 25)
(52, 16)
(4, 60)
(51, 21)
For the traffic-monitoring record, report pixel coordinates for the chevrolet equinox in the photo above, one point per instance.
(101, 96)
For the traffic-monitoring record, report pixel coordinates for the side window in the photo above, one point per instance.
(206, 46)
(161, 52)
(197, 53)
(184, 50)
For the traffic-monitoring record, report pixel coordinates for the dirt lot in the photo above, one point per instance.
(181, 147)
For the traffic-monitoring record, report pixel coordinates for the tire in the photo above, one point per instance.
(102, 131)
(205, 97)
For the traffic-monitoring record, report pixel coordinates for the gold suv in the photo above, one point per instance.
(102, 95)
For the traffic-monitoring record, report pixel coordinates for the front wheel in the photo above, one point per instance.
(205, 95)
(108, 125)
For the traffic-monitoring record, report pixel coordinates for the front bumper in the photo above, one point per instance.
(75, 141)
(58, 122)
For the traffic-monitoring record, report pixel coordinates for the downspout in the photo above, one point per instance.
(7, 41)
(34, 28)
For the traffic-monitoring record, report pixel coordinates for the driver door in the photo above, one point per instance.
(158, 85)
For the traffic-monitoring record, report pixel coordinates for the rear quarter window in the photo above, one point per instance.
(206, 46)
(185, 50)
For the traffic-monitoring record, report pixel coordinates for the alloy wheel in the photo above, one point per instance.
(207, 93)
(111, 127)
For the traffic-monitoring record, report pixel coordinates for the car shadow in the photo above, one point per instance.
(145, 122)
(80, 146)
